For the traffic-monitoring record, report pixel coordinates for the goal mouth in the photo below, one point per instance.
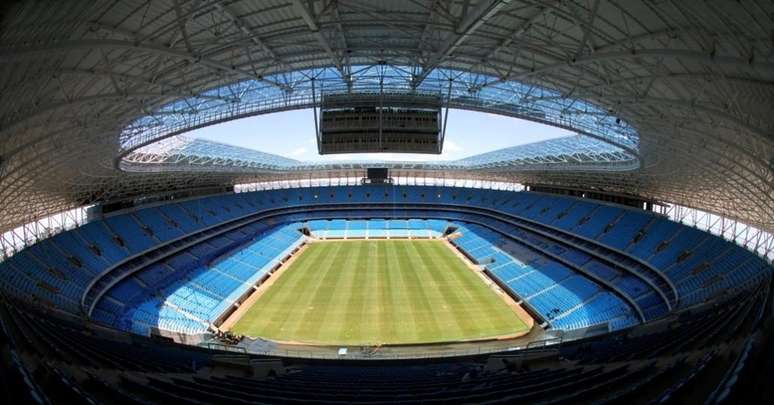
(408, 294)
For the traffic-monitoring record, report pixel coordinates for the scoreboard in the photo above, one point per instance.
(380, 122)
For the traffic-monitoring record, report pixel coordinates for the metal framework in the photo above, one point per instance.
(456, 89)
(562, 154)
(685, 86)
(28, 234)
(750, 237)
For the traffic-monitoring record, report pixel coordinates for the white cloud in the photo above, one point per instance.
(298, 152)
(450, 146)
(387, 156)
(338, 157)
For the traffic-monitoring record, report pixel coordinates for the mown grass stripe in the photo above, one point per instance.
(459, 304)
(378, 292)
(486, 308)
(349, 295)
(292, 285)
(371, 310)
(313, 320)
(280, 299)
(403, 304)
(424, 309)
(389, 326)
(479, 307)
(449, 321)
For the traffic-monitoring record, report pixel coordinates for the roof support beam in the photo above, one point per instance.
(9, 55)
(310, 21)
(92, 99)
(637, 53)
(471, 22)
(181, 23)
(515, 35)
(143, 80)
(428, 25)
(597, 88)
(587, 29)
(522, 29)
(347, 62)
(248, 33)
(743, 122)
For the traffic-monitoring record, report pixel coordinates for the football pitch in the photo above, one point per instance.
(372, 292)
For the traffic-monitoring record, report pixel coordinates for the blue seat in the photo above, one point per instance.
(509, 238)
(161, 227)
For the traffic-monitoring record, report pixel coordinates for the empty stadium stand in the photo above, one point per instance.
(49, 357)
(575, 263)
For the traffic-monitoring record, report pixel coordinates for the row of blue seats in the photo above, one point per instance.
(631, 285)
(559, 294)
(376, 228)
(644, 235)
(675, 249)
(57, 270)
(185, 294)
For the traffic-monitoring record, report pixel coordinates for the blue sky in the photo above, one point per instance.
(291, 134)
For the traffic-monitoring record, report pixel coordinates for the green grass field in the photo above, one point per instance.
(378, 292)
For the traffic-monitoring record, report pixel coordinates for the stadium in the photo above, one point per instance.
(628, 259)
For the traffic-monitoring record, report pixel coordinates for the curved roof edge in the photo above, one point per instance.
(305, 88)
(187, 154)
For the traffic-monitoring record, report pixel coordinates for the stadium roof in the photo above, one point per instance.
(305, 88)
(687, 87)
(180, 153)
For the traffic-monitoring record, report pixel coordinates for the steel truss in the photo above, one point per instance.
(693, 80)
(568, 153)
(306, 88)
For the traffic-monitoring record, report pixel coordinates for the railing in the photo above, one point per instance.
(28, 234)
(401, 353)
(225, 347)
(397, 181)
(751, 238)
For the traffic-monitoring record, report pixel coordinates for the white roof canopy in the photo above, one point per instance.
(692, 80)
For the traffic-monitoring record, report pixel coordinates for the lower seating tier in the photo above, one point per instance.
(184, 294)
(56, 272)
(564, 298)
